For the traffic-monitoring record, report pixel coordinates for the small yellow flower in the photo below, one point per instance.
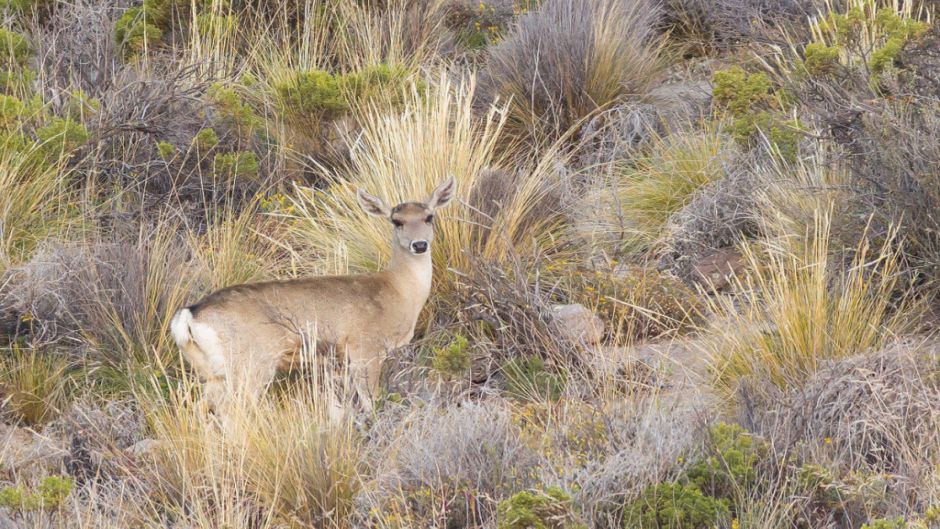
(828, 440)
(735, 524)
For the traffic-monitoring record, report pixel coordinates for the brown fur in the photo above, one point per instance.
(238, 337)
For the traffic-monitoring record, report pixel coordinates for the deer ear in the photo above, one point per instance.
(373, 205)
(443, 194)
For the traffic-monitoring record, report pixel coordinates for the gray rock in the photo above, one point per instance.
(578, 324)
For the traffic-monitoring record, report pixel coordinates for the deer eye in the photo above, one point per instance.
(429, 219)
(397, 223)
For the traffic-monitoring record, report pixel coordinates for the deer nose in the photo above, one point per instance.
(419, 246)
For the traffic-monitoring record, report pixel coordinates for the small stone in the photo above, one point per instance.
(578, 324)
(143, 449)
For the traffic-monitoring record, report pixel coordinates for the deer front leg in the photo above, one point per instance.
(366, 371)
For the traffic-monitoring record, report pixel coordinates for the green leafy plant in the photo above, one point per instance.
(674, 506)
(49, 495)
(452, 360)
(61, 137)
(317, 94)
(241, 164)
(142, 26)
(538, 509)
(15, 53)
(166, 150)
(731, 463)
(233, 110)
(205, 140)
(867, 36)
(312, 94)
(754, 108)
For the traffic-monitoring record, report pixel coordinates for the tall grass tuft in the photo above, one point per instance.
(799, 308)
(34, 385)
(271, 461)
(571, 58)
(660, 183)
(402, 156)
(34, 200)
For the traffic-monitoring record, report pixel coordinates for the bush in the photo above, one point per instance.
(674, 506)
(142, 27)
(50, 495)
(754, 107)
(867, 39)
(311, 96)
(61, 137)
(565, 61)
(15, 49)
(234, 111)
(205, 140)
(230, 165)
(15, 53)
(537, 509)
(730, 464)
(452, 360)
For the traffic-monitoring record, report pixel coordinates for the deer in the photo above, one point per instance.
(238, 338)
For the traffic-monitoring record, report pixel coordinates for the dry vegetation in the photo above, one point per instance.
(744, 191)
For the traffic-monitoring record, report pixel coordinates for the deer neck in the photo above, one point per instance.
(411, 273)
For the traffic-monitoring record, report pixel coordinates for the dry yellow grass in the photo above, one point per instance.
(401, 156)
(797, 308)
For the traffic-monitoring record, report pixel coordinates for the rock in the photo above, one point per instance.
(688, 100)
(578, 324)
(718, 269)
(145, 449)
(23, 451)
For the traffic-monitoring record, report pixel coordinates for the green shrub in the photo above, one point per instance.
(241, 164)
(14, 48)
(50, 495)
(15, 53)
(739, 92)
(166, 150)
(142, 26)
(317, 94)
(205, 140)
(731, 463)
(528, 379)
(312, 94)
(866, 38)
(753, 106)
(537, 509)
(454, 359)
(61, 136)
(674, 506)
(233, 111)
(820, 59)
(380, 82)
(11, 112)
